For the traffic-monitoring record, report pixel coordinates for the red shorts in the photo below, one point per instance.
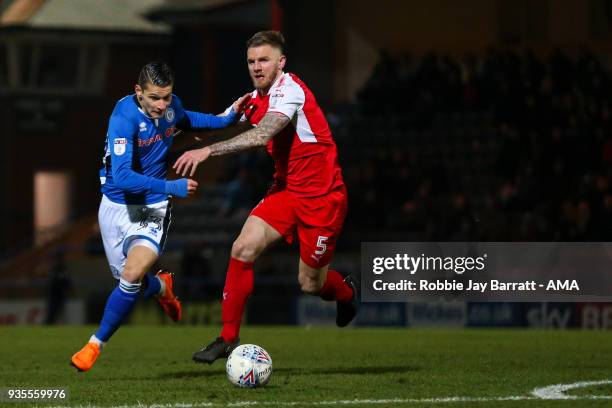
(317, 220)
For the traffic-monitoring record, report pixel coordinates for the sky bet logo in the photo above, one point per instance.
(412, 264)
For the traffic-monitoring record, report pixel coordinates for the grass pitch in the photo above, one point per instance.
(146, 365)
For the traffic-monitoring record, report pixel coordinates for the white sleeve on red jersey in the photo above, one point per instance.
(287, 98)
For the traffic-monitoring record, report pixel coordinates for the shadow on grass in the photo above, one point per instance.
(194, 374)
(298, 371)
(348, 370)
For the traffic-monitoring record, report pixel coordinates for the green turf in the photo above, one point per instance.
(152, 365)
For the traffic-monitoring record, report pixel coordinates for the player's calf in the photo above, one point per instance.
(310, 286)
(311, 279)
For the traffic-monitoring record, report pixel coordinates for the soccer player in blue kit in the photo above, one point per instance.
(134, 213)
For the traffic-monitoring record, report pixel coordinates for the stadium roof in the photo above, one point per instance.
(112, 15)
(138, 16)
(193, 5)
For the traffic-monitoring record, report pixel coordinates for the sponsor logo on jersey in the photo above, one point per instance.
(275, 98)
(143, 127)
(149, 141)
(169, 115)
(171, 131)
(119, 145)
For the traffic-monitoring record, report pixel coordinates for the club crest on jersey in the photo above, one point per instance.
(119, 145)
(169, 115)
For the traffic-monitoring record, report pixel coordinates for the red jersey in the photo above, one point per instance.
(304, 152)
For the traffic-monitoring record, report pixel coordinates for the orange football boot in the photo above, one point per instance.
(168, 301)
(85, 358)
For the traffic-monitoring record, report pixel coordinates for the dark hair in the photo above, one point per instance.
(273, 38)
(156, 73)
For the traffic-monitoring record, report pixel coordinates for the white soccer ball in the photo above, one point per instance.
(249, 366)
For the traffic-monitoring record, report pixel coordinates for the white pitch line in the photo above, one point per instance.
(557, 391)
(551, 392)
(378, 401)
(314, 403)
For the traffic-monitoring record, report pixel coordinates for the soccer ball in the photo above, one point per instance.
(249, 366)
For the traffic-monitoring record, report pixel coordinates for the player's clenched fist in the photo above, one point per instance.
(189, 161)
(192, 186)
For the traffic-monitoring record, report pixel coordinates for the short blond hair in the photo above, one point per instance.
(270, 37)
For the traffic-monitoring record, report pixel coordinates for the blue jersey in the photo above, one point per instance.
(135, 156)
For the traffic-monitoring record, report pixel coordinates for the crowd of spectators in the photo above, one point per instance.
(531, 138)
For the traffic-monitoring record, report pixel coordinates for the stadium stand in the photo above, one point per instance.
(505, 146)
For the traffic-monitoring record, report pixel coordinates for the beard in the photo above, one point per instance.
(266, 81)
(262, 83)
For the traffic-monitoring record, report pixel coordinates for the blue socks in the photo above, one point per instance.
(119, 304)
(153, 286)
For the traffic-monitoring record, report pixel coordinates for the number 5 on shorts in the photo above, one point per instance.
(321, 246)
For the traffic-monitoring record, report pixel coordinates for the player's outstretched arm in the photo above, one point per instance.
(198, 120)
(268, 127)
(233, 111)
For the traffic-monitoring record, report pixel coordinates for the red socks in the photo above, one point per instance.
(238, 287)
(335, 288)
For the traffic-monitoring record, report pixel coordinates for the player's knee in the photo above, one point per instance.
(131, 274)
(245, 250)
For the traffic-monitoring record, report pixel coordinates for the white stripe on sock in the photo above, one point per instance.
(162, 289)
(128, 287)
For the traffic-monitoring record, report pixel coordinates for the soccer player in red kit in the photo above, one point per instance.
(308, 198)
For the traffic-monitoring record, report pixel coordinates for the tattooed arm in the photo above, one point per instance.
(268, 127)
